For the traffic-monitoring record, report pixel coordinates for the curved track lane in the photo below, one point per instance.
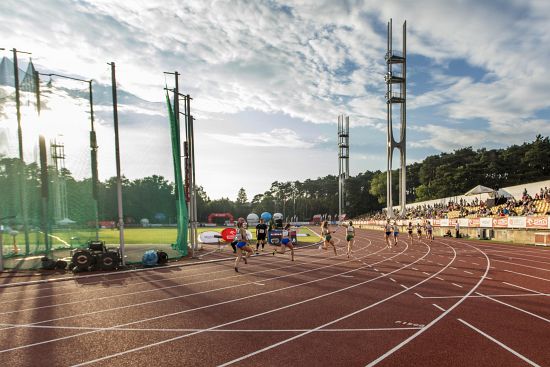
(442, 302)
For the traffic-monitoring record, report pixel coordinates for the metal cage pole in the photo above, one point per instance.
(117, 158)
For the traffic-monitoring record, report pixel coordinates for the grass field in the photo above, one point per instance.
(136, 236)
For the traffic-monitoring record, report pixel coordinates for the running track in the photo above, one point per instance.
(442, 303)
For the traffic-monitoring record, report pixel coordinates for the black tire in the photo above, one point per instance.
(83, 259)
(48, 264)
(162, 257)
(109, 260)
(60, 264)
(71, 266)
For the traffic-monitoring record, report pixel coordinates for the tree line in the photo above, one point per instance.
(153, 197)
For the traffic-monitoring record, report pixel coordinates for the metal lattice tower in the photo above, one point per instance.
(343, 162)
(396, 94)
(61, 209)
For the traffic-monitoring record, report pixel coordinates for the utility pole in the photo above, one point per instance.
(117, 157)
(44, 181)
(22, 178)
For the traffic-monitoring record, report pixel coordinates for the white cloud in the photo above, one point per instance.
(305, 59)
(284, 138)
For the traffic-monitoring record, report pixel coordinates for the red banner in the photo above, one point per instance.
(537, 222)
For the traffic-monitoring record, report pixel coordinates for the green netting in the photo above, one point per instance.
(63, 212)
(181, 242)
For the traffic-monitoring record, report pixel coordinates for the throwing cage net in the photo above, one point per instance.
(58, 189)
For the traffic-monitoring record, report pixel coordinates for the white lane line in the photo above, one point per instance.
(393, 280)
(434, 321)
(207, 291)
(514, 307)
(440, 264)
(254, 316)
(258, 283)
(525, 266)
(425, 273)
(468, 272)
(475, 263)
(212, 330)
(234, 277)
(489, 278)
(123, 273)
(521, 356)
(440, 278)
(346, 276)
(492, 295)
(453, 268)
(418, 295)
(214, 305)
(457, 285)
(334, 321)
(462, 261)
(527, 275)
(438, 307)
(404, 286)
(520, 287)
(414, 269)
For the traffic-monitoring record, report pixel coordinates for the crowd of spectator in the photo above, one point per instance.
(539, 204)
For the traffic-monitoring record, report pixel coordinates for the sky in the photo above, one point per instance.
(269, 78)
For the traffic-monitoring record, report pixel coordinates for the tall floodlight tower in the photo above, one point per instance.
(343, 162)
(396, 94)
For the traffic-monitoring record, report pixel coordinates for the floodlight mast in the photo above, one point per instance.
(400, 98)
(343, 162)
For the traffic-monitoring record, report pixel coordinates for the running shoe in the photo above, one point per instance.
(236, 269)
(246, 262)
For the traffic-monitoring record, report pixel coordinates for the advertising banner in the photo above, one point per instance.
(501, 222)
(473, 222)
(444, 222)
(538, 222)
(436, 223)
(486, 222)
(463, 222)
(517, 222)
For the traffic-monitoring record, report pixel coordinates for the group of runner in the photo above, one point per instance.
(241, 244)
(392, 232)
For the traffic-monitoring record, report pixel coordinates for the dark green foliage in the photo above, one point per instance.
(443, 175)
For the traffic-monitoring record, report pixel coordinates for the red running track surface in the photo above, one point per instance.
(447, 302)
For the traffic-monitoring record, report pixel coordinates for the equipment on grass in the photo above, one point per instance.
(96, 256)
(60, 264)
(47, 263)
(153, 258)
(162, 257)
(82, 260)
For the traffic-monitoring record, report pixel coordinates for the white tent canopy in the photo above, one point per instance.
(65, 221)
(478, 190)
(501, 193)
